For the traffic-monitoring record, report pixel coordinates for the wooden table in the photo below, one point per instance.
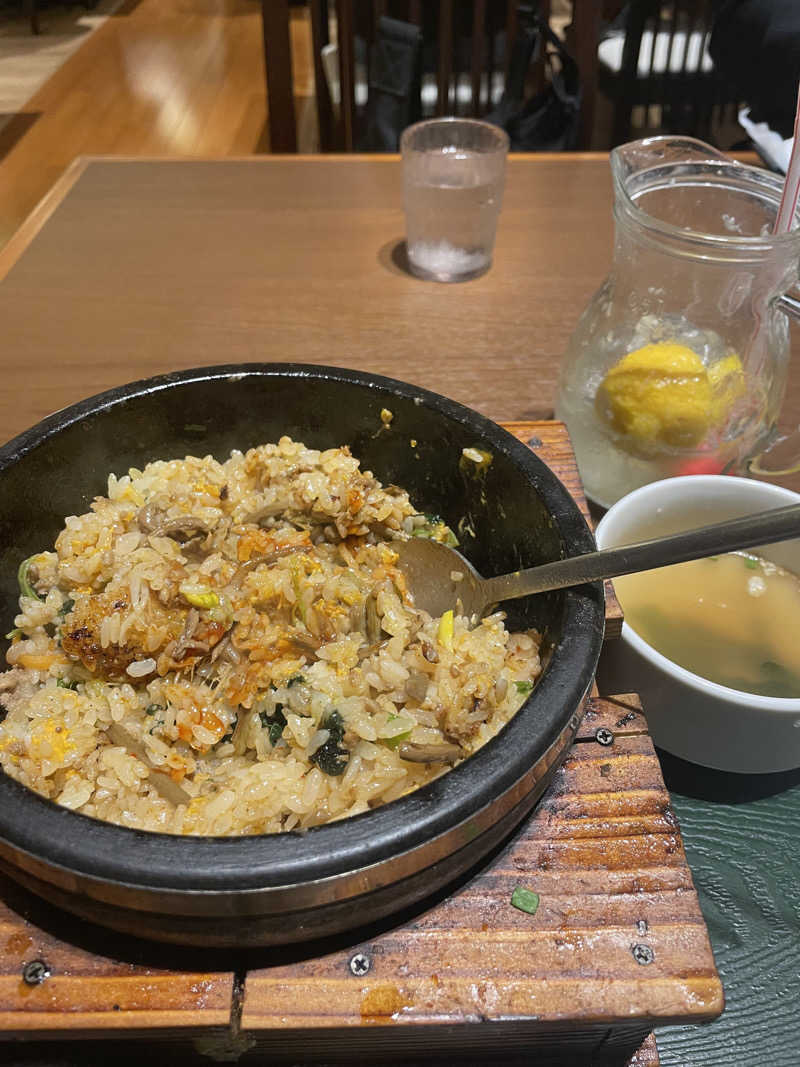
(141, 267)
(130, 268)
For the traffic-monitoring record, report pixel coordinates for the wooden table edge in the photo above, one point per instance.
(551, 1025)
(31, 1024)
(22, 238)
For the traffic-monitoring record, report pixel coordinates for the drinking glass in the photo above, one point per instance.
(453, 173)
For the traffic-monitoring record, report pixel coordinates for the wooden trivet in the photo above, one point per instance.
(96, 981)
(617, 945)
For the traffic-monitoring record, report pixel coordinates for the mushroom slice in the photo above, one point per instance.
(429, 753)
(417, 686)
(162, 783)
(306, 641)
(372, 620)
(185, 639)
(239, 738)
(269, 511)
(225, 651)
(181, 528)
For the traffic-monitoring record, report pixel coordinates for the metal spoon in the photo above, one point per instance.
(438, 577)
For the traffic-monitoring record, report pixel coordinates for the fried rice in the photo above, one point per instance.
(229, 648)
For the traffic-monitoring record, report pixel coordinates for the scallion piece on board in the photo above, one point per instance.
(525, 900)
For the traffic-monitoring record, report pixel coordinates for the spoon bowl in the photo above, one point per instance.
(439, 578)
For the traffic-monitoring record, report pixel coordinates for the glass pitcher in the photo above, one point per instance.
(679, 363)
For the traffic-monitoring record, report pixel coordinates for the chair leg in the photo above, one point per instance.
(319, 38)
(621, 126)
(33, 12)
(345, 33)
(278, 61)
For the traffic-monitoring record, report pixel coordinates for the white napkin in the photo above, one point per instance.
(775, 150)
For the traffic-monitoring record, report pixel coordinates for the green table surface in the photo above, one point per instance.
(742, 840)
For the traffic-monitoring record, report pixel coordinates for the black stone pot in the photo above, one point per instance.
(279, 888)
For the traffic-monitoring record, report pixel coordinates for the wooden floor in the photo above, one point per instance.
(160, 77)
(28, 60)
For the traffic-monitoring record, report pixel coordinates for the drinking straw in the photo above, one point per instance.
(791, 188)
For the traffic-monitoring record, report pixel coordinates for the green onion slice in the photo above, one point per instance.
(525, 900)
(25, 587)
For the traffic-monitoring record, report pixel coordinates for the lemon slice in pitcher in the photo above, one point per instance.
(662, 396)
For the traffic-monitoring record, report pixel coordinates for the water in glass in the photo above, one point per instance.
(451, 216)
(453, 171)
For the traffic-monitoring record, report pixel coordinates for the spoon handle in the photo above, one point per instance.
(778, 524)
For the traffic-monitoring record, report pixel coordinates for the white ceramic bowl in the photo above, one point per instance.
(691, 716)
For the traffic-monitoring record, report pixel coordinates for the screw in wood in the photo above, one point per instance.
(359, 964)
(643, 954)
(35, 972)
(603, 736)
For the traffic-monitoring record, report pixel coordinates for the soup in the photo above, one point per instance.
(732, 619)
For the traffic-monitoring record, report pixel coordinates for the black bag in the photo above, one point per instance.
(394, 85)
(550, 120)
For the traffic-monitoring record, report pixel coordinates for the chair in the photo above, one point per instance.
(465, 56)
(661, 60)
(465, 53)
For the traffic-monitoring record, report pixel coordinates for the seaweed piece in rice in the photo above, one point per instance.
(331, 757)
(273, 723)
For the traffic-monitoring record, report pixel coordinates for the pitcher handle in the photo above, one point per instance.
(789, 445)
(783, 452)
(790, 304)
